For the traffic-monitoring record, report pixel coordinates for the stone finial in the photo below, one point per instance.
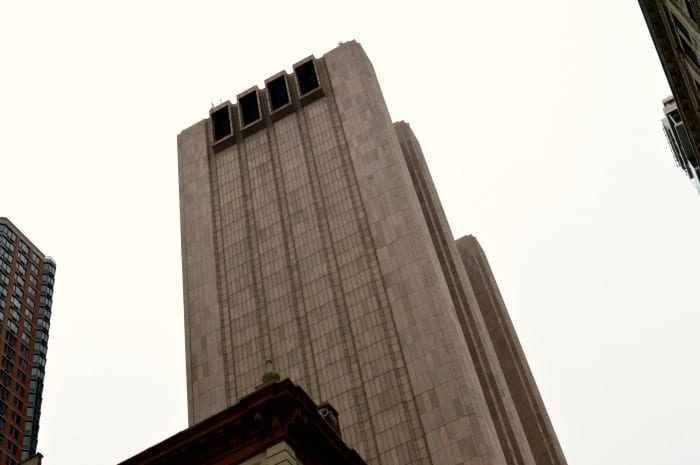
(270, 375)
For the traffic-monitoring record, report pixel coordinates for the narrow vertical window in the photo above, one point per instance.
(221, 121)
(306, 77)
(250, 111)
(278, 93)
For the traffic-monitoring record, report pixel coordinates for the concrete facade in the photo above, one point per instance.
(312, 235)
(518, 378)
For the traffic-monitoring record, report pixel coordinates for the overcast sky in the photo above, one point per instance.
(539, 121)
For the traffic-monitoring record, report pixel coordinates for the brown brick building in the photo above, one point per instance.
(312, 234)
(26, 292)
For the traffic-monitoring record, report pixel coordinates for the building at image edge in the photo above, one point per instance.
(675, 30)
(26, 293)
(680, 143)
(312, 234)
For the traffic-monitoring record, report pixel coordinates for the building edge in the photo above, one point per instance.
(31, 268)
(521, 383)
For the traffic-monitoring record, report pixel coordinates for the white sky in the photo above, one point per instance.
(540, 123)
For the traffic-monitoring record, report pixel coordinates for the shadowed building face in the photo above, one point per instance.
(674, 26)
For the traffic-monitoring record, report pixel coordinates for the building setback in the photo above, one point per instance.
(312, 234)
(26, 292)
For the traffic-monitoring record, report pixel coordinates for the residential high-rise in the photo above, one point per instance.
(681, 145)
(674, 26)
(312, 234)
(26, 292)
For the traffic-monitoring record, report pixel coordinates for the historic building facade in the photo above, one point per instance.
(277, 424)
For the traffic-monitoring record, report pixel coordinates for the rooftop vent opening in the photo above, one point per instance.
(306, 76)
(250, 112)
(221, 120)
(277, 90)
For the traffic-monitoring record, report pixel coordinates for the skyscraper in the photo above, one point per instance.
(312, 234)
(26, 291)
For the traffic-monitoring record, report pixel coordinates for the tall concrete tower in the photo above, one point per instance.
(312, 234)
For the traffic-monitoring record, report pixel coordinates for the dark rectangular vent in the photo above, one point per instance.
(277, 90)
(221, 121)
(250, 112)
(306, 77)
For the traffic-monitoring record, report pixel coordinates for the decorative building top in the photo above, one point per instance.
(257, 108)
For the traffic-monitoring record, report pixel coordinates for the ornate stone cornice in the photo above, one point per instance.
(279, 412)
